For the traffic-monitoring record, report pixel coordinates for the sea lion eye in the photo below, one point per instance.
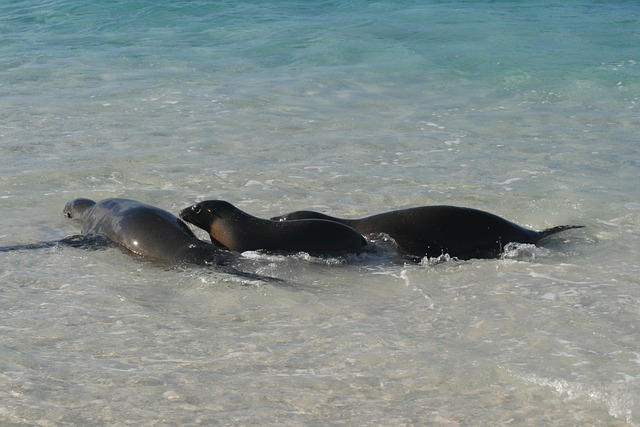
(196, 209)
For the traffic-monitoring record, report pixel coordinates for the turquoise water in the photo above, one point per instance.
(525, 109)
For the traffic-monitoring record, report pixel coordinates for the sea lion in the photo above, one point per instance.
(238, 231)
(431, 231)
(144, 230)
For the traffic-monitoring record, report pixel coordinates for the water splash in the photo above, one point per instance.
(619, 403)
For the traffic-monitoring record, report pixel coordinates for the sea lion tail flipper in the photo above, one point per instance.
(557, 229)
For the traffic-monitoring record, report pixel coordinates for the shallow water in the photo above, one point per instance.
(527, 110)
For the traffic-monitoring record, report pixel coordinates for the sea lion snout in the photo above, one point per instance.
(190, 210)
(198, 215)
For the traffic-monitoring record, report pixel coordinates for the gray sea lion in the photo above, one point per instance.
(145, 230)
(463, 233)
(238, 231)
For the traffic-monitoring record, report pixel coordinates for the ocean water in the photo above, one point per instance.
(529, 110)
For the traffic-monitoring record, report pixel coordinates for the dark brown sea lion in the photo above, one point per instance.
(238, 231)
(463, 233)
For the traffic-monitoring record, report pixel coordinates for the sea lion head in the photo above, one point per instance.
(77, 207)
(204, 214)
(216, 217)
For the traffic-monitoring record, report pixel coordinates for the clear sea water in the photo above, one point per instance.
(530, 110)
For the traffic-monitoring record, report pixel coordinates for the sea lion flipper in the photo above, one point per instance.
(29, 246)
(557, 229)
(245, 275)
(79, 241)
(76, 241)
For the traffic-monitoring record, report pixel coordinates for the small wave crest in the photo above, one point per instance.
(524, 252)
(373, 253)
(435, 260)
(618, 403)
(281, 258)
